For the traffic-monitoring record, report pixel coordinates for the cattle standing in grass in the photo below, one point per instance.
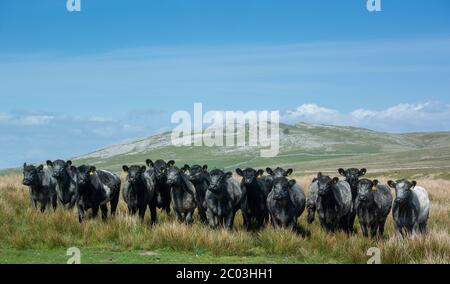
(66, 181)
(223, 199)
(254, 198)
(312, 201)
(199, 177)
(42, 186)
(273, 174)
(182, 194)
(138, 191)
(162, 191)
(95, 189)
(372, 205)
(410, 209)
(286, 202)
(334, 203)
(352, 177)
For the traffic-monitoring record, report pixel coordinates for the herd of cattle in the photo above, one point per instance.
(217, 196)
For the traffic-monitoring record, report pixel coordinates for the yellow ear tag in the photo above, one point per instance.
(374, 188)
(91, 173)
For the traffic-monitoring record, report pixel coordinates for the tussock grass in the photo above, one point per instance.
(25, 228)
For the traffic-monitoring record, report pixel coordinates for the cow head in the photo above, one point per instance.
(85, 174)
(59, 168)
(218, 179)
(160, 168)
(134, 173)
(403, 189)
(279, 172)
(366, 188)
(195, 173)
(249, 175)
(281, 186)
(173, 176)
(352, 175)
(325, 184)
(31, 174)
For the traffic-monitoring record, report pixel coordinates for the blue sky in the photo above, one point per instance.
(73, 82)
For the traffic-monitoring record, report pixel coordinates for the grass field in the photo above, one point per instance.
(28, 236)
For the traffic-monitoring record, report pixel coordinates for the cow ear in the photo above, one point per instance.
(259, 173)
(228, 174)
(239, 171)
(73, 169)
(414, 183)
(269, 171)
(362, 172)
(125, 168)
(40, 168)
(69, 163)
(143, 168)
(289, 172)
(92, 170)
(185, 167)
(319, 174)
(341, 171)
(314, 180)
(149, 163)
(171, 163)
(292, 182)
(375, 182)
(24, 165)
(49, 163)
(335, 180)
(391, 183)
(205, 167)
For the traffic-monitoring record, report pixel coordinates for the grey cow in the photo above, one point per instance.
(199, 177)
(66, 181)
(372, 205)
(223, 199)
(182, 194)
(411, 208)
(41, 184)
(138, 191)
(286, 202)
(311, 201)
(334, 203)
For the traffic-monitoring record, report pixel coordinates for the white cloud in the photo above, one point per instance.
(25, 119)
(426, 116)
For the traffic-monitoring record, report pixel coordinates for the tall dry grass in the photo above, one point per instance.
(26, 228)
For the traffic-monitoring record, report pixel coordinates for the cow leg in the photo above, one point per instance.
(398, 232)
(95, 211)
(81, 214)
(104, 209)
(364, 229)
(142, 213)
(423, 228)
(54, 202)
(189, 218)
(202, 215)
(211, 219)
(43, 205)
(381, 228)
(113, 203)
(153, 213)
(229, 221)
(373, 230)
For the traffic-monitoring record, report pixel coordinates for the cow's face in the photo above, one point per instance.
(173, 176)
(160, 168)
(195, 173)
(325, 184)
(31, 174)
(279, 172)
(59, 168)
(134, 173)
(352, 175)
(403, 189)
(218, 178)
(281, 188)
(249, 175)
(84, 174)
(365, 190)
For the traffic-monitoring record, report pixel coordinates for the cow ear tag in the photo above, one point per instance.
(91, 173)
(374, 188)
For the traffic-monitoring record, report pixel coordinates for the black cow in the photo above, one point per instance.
(352, 176)
(254, 198)
(372, 205)
(223, 199)
(41, 184)
(66, 181)
(162, 191)
(95, 189)
(138, 191)
(199, 177)
(182, 194)
(286, 202)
